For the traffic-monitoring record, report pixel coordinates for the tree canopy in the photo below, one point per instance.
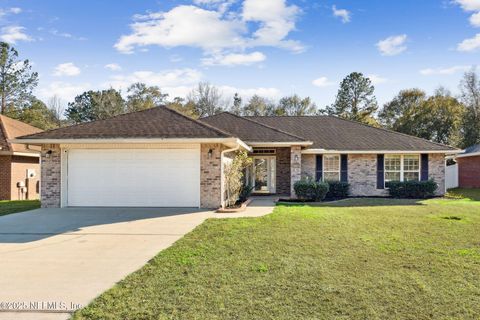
(17, 80)
(355, 99)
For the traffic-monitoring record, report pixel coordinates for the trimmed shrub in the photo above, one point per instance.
(412, 189)
(310, 190)
(338, 190)
(245, 193)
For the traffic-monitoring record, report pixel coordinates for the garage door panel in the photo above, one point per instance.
(150, 177)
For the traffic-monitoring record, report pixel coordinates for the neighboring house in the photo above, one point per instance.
(469, 167)
(159, 157)
(19, 163)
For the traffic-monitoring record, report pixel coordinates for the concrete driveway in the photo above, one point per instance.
(56, 260)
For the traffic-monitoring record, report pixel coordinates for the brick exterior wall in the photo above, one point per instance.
(362, 175)
(309, 165)
(282, 176)
(5, 177)
(469, 172)
(295, 166)
(436, 171)
(51, 177)
(210, 175)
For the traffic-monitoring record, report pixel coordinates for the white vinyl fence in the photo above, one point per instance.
(451, 176)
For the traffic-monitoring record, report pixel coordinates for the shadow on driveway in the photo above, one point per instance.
(43, 223)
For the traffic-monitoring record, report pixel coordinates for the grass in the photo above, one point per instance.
(8, 207)
(354, 259)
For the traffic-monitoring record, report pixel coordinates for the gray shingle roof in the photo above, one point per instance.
(250, 130)
(158, 122)
(472, 149)
(332, 133)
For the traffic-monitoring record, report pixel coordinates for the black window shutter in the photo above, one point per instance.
(344, 167)
(380, 172)
(424, 165)
(319, 170)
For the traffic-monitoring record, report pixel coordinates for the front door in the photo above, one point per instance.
(262, 175)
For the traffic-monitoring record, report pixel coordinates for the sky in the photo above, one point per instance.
(273, 48)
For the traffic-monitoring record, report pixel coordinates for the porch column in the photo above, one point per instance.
(295, 167)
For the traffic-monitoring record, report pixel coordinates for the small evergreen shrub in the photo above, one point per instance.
(310, 190)
(338, 190)
(245, 193)
(412, 189)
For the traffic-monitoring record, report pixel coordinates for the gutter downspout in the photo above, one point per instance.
(222, 174)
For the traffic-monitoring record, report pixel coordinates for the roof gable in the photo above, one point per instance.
(250, 130)
(157, 122)
(11, 128)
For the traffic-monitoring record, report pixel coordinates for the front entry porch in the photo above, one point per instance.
(273, 169)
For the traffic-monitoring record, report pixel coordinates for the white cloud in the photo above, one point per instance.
(471, 44)
(68, 69)
(343, 14)
(444, 71)
(469, 5)
(13, 10)
(183, 26)
(234, 59)
(376, 79)
(475, 19)
(276, 20)
(322, 82)
(12, 34)
(168, 78)
(392, 45)
(216, 31)
(113, 67)
(65, 91)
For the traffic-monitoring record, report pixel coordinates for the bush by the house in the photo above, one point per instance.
(338, 190)
(412, 189)
(310, 190)
(245, 192)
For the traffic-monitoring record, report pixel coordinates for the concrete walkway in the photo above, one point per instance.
(57, 260)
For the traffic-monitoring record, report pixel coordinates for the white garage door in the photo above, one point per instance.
(134, 178)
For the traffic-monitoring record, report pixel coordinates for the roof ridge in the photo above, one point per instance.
(264, 125)
(198, 122)
(3, 129)
(82, 124)
(391, 131)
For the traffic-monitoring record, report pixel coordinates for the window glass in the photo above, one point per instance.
(393, 165)
(331, 167)
(331, 176)
(411, 163)
(402, 167)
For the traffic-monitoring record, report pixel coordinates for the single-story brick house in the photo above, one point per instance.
(159, 157)
(19, 164)
(469, 167)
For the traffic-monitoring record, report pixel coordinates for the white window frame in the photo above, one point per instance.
(402, 169)
(339, 171)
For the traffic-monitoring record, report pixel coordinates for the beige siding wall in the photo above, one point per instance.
(20, 165)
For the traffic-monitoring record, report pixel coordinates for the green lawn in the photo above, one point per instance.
(7, 207)
(355, 259)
